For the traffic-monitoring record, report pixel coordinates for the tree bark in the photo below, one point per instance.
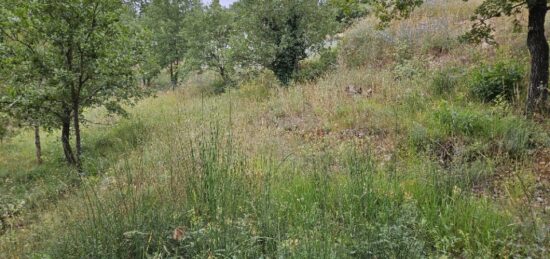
(78, 143)
(37, 144)
(65, 140)
(539, 50)
(176, 74)
(225, 77)
(172, 76)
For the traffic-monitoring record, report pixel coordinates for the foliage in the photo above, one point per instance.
(461, 121)
(348, 10)
(167, 19)
(278, 34)
(504, 78)
(311, 69)
(60, 65)
(209, 34)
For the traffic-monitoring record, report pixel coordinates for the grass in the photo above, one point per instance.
(306, 171)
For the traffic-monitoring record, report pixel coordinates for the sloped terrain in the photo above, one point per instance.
(388, 155)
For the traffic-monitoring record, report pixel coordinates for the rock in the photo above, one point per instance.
(353, 90)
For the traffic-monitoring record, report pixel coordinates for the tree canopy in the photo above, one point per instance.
(65, 56)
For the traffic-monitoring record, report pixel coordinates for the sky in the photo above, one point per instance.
(225, 3)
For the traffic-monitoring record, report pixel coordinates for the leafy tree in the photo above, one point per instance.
(280, 33)
(210, 34)
(166, 19)
(79, 54)
(482, 31)
(347, 10)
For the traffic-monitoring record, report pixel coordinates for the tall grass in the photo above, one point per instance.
(213, 201)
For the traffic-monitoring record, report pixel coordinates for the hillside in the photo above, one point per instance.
(387, 154)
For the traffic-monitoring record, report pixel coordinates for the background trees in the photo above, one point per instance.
(166, 18)
(280, 33)
(209, 35)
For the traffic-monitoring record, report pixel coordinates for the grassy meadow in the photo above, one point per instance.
(416, 165)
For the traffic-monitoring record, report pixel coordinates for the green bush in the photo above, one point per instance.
(463, 122)
(312, 69)
(503, 78)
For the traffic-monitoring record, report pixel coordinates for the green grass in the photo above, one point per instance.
(416, 168)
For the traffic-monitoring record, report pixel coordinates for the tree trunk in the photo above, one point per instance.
(176, 73)
(78, 143)
(37, 144)
(65, 140)
(172, 77)
(225, 77)
(539, 50)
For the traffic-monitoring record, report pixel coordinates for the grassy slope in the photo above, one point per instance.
(306, 171)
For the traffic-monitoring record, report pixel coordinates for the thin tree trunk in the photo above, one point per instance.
(176, 73)
(539, 50)
(224, 76)
(65, 140)
(37, 144)
(172, 77)
(78, 143)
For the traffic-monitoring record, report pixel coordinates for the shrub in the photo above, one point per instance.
(312, 69)
(461, 121)
(519, 136)
(488, 82)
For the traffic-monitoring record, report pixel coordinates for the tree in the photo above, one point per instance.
(165, 18)
(81, 54)
(210, 34)
(347, 10)
(537, 43)
(280, 33)
(22, 105)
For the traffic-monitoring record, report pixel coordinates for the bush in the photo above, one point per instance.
(312, 69)
(461, 121)
(488, 82)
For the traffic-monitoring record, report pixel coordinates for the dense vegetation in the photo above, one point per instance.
(272, 128)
